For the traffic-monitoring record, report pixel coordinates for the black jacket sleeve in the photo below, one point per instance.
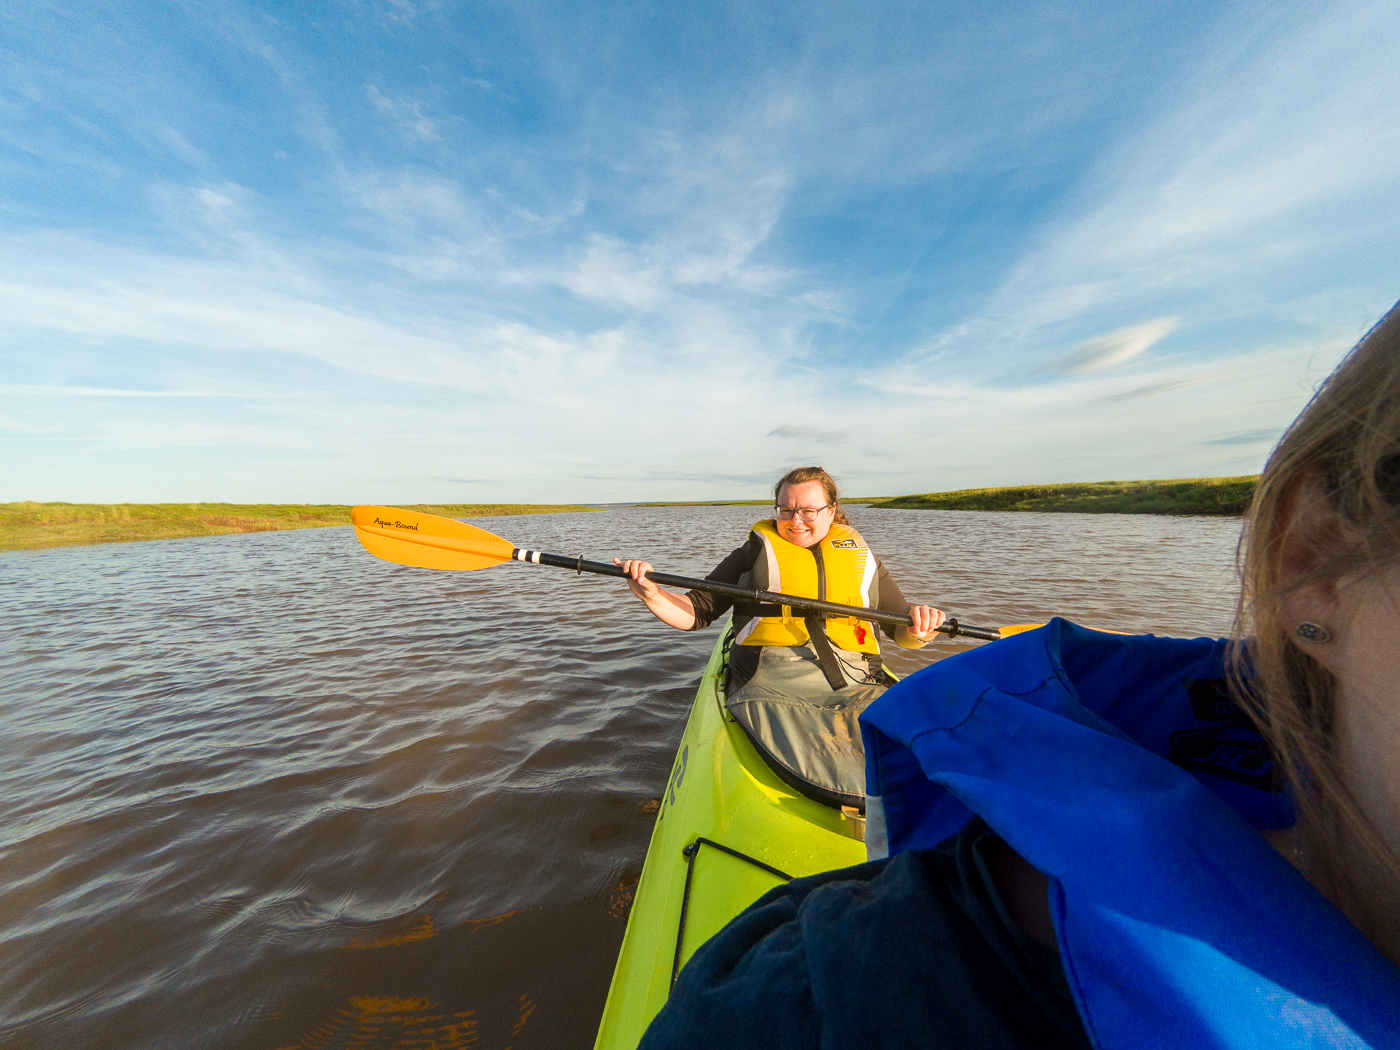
(916, 951)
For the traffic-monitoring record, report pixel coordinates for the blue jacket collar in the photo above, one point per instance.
(1117, 766)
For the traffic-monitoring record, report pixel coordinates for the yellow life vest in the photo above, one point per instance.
(848, 569)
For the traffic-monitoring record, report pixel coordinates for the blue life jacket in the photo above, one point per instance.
(1119, 768)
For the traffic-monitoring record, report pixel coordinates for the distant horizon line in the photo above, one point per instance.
(692, 502)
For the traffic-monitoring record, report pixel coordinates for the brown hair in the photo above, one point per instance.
(1341, 459)
(802, 475)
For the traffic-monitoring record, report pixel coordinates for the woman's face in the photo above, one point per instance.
(1363, 615)
(807, 496)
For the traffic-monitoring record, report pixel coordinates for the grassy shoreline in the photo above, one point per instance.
(748, 502)
(36, 526)
(1216, 497)
(708, 503)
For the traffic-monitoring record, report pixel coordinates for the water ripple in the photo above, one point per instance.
(266, 791)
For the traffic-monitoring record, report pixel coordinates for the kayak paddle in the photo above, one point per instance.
(409, 537)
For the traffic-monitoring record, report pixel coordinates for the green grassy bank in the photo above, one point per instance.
(1214, 496)
(30, 526)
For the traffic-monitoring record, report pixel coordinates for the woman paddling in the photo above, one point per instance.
(1081, 839)
(795, 680)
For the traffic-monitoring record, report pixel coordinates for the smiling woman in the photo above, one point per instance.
(795, 681)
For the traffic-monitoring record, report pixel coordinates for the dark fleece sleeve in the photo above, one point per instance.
(909, 952)
(710, 607)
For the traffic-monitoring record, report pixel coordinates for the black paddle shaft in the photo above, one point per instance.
(951, 627)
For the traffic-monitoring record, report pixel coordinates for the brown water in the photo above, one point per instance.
(266, 791)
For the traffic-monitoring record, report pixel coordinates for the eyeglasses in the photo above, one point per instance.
(805, 513)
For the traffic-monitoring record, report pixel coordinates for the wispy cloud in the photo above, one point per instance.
(40, 390)
(610, 272)
(398, 11)
(411, 200)
(1162, 386)
(789, 430)
(1104, 351)
(406, 114)
(1264, 435)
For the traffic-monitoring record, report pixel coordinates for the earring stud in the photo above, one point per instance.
(1313, 632)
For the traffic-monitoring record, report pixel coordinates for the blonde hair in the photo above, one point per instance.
(802, 475)
(1340, 459)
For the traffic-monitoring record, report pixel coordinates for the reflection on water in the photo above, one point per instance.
(266, 791)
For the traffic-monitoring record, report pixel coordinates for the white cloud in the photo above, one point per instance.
(610, 272)
(789, 430)
(1104, 351)
(413, 200)
(405, 113)
(1264, 435)
(1162, 386)
(400, 11)
(563, 415)
(560, 401)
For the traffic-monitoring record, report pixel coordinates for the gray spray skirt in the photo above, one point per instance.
(802, 727)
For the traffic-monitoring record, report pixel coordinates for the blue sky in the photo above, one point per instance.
(402, 251)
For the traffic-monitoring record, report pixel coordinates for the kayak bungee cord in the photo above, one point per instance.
(689, 853)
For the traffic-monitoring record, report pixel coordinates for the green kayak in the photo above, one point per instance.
(729, 829)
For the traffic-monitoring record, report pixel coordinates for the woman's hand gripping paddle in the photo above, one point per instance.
(410, 537)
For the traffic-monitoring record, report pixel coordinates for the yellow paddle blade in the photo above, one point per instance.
(1020, 628)
(410, 537)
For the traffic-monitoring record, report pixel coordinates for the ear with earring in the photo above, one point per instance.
(1313, 632)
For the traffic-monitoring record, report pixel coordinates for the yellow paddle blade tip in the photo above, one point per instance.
(1019, 628)
(428, 541)
(1022, 628)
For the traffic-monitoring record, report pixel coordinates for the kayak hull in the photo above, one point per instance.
(720, 790)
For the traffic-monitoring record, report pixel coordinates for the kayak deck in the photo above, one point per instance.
(721, 791)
